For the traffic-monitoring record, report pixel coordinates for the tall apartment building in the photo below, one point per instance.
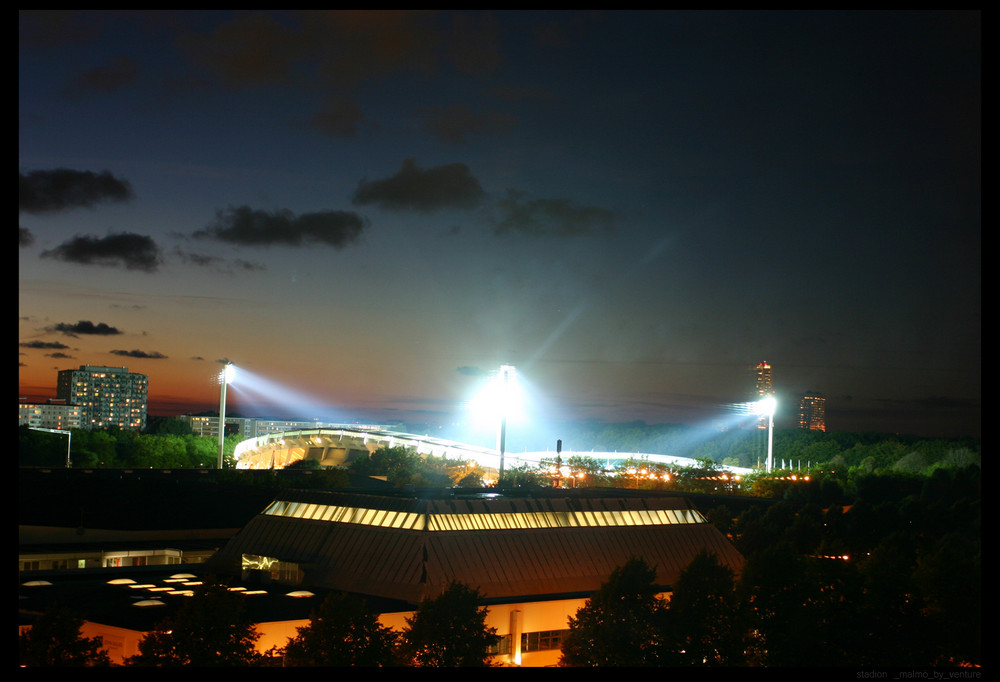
(812, 411)
(763, 387)
(764, 383)
(107, 396)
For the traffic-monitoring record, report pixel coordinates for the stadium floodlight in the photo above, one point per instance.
(766, 408)
(499, 401)
(505, 378)
(226, 377)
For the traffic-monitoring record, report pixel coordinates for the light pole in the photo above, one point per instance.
(766, 408)
(225, 377)
(504, 397)
(69, 441)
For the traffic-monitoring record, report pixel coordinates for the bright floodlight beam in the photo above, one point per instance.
(226, 377)
(766, 408)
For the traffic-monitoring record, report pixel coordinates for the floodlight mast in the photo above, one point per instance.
(505, 372)
(225, 377)
(767, 407)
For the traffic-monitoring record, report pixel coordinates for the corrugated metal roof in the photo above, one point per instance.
(503, 564)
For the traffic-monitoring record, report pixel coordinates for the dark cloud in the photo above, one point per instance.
(338, 117)
(247, 226)
(474, 43)
(216, 262)
(133, 251)
(472, 371)
(24, 236)
(47, 29)
(248, 266)
(58, 355)
(199, 259)
(550, 216)
(452, 124)
(252, 50)
(139, 354)
(48, 345)
(85, 327)
(62, 189)
(115, 75)
(339, 48)
(448, 186)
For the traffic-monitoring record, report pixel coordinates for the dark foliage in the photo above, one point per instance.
(210, 630)
(449, 631)
(341, 633)
(54, 639)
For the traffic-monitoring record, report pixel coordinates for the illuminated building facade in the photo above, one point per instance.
(106, 396)
(534, 556)
(534, 559)
(812, 412)
(207, 425)
(763, 388)
(52, 414)
(764, 385)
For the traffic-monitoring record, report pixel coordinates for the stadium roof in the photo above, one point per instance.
(410, 547)
(340, 446)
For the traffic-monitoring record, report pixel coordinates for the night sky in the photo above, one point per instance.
(374, 209)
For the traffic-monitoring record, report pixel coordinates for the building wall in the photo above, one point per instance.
(208, 426)
(508, 619)
(107, 396)
(812, 412)
(119, 643)
(50, 415)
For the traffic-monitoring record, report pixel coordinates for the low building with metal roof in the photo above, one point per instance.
(535, 557)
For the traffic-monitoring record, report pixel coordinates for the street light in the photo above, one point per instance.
(226, 376)
(69, 441)
(766, 408)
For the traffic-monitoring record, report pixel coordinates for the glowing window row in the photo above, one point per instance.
(500, 521)
(337, 514)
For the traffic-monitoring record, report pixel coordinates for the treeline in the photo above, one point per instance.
(212, 629)
(837, 463)
(121, 448)
(747, 447)
(891, 580)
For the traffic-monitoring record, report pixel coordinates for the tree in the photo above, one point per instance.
(592, 471)
(342, 632)
(622, 624)
(449, 631)
(210, 629)
(704, 615)
(773, 592)
(54, 640)
(523, 476)
(397, 464)
(95, 448)
(168, 425)
(38, 448)
(305, 464)
(202, 452)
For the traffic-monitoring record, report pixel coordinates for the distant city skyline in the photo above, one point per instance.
(788, 416)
